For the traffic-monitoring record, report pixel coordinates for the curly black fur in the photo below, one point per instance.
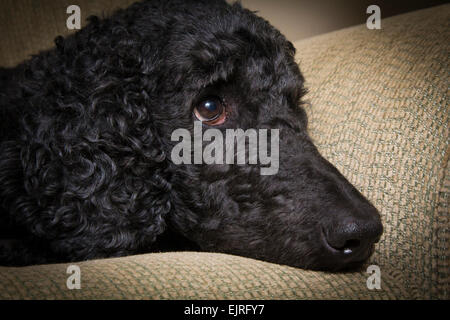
(85, 167)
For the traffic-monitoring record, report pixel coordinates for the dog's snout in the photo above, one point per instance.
(352, 239)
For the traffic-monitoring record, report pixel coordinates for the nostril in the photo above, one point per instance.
(352, 243)
(339, 242)
(349, 246)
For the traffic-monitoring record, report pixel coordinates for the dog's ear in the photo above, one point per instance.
(96, 187)
(93, 176)
(116, 170)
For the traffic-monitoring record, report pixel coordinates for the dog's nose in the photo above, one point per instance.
(352, 239)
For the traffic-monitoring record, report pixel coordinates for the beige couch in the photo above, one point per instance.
(379, 110)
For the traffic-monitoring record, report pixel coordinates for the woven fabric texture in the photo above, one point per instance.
(189, 275)
(379, 111)
(378, 106)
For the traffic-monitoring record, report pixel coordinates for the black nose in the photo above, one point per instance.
(351, 239)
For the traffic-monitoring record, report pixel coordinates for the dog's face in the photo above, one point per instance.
(233, 70)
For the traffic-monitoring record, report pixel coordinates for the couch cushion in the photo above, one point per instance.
(189, 275)
(379, 110)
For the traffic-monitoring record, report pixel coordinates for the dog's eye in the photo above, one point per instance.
(210, 111)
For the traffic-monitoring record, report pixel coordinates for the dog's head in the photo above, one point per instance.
(230, 69)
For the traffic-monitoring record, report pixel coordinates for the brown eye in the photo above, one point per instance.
(211, 111)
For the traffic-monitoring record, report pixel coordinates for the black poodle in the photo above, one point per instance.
(86, 142)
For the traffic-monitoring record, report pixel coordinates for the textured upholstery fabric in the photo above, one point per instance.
(189, 275)
(379, 110)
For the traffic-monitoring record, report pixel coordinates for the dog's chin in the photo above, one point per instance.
(320, 259)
